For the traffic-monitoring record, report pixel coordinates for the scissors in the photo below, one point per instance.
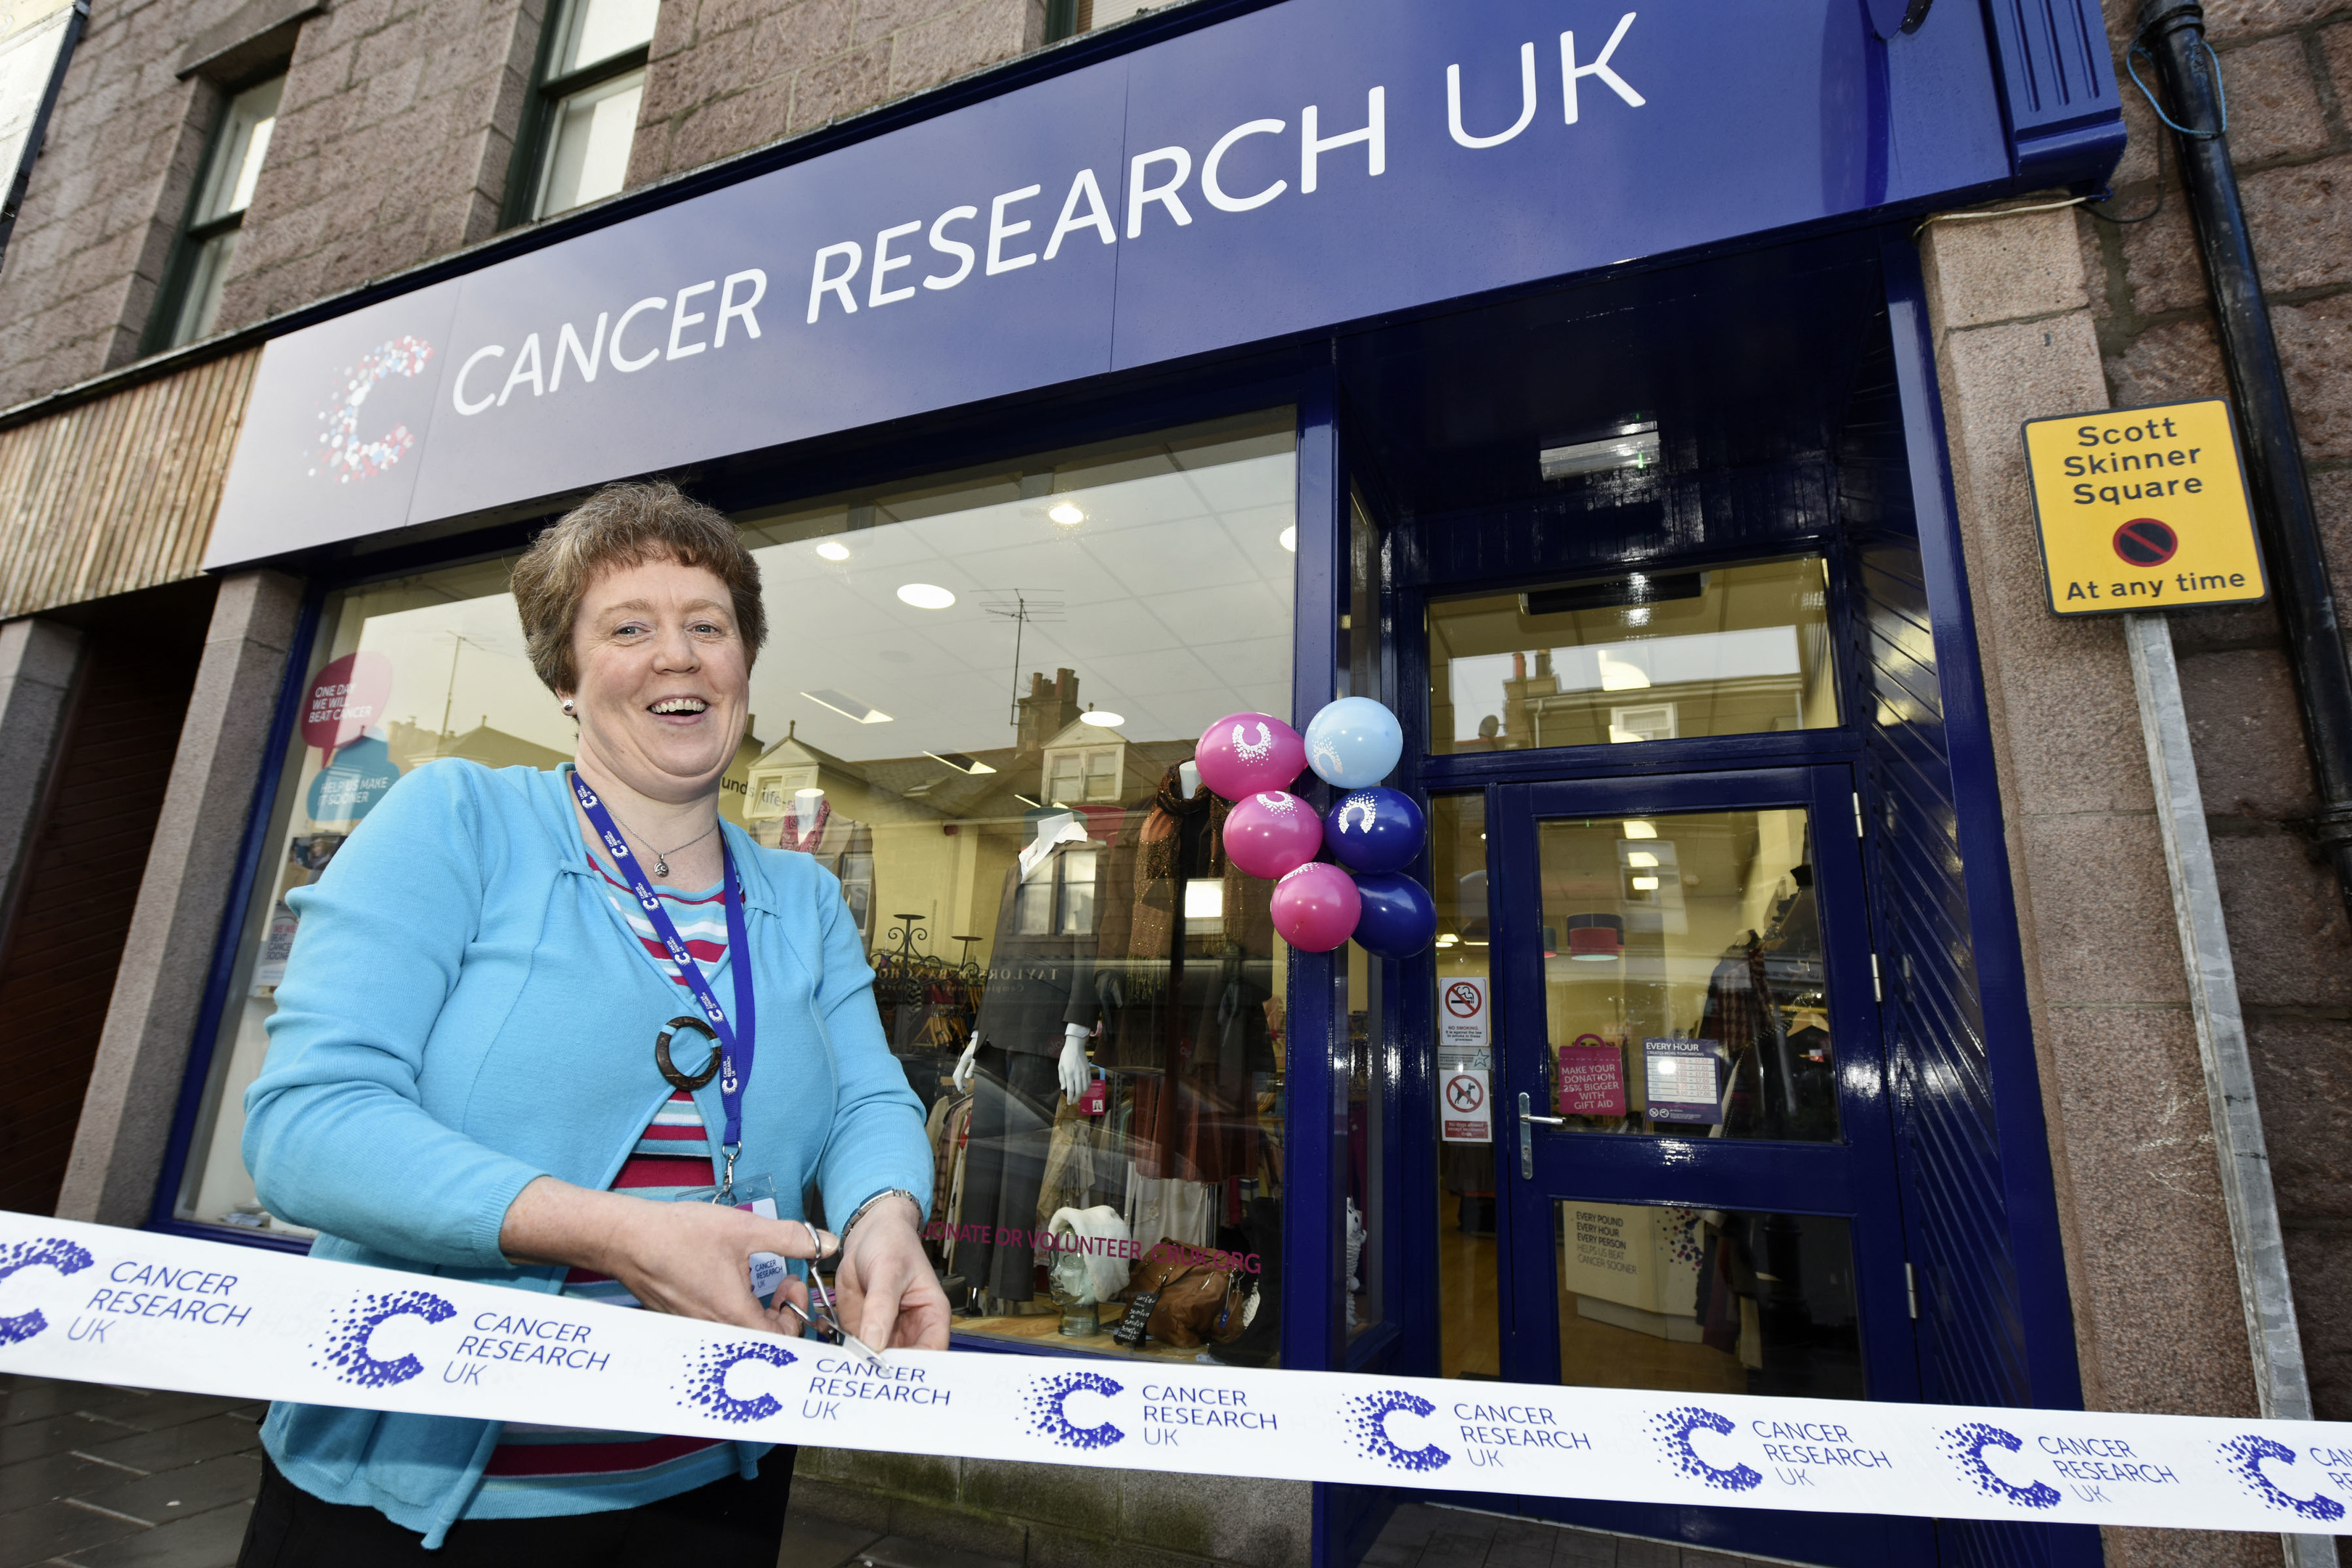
(828, 1318)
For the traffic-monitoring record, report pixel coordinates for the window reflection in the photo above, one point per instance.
(977, 709)
(1645, 656)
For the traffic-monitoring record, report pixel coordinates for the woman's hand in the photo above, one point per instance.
(690, 1259)
(887, 1292)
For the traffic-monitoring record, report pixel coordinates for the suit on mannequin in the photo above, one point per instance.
(1023, 1054)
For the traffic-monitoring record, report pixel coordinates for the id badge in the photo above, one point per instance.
(754, 1195)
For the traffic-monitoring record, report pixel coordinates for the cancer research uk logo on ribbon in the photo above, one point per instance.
(49, 1252)
(1048, 1396)
(1966, 1446)
(1674, 1429)
(2244, 1458)
(1367, 1416)
(706, 1380)
(349, 1330)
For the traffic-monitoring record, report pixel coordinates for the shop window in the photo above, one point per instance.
(1730, 650)
(583, 117)
(896, 740)
(190, 301)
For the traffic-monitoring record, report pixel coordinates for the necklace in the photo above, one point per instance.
(661, 856)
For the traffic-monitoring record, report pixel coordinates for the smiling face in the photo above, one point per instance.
(665, 680)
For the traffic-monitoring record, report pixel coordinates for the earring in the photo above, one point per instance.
(567, 705)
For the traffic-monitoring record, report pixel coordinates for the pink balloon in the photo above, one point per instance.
(1243, 753)
(1271, 833)
(1316, 907)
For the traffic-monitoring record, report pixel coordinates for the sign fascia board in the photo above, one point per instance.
(1693, 124)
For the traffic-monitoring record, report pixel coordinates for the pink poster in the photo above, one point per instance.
(348, 697)
(1592, 1079)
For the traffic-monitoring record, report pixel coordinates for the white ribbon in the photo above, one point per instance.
(101, 1304)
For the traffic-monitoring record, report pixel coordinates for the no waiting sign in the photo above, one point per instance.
(2143, 509)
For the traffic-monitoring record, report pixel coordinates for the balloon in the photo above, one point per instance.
(1271, 832)
(1315, 906)
(1243, 753)
(1399, 919)
(1375, 830)
(1353, 742)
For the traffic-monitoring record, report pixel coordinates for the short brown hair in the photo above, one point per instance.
(622, 526)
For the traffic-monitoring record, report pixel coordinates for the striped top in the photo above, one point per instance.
(674, 1155)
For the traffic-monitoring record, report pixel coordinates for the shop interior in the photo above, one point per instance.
(977, 709)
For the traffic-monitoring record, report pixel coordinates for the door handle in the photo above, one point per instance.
(1527, 1118)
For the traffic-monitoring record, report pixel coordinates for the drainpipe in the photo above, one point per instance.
(2174, 31)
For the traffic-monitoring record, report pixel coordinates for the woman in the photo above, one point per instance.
(463, 1077)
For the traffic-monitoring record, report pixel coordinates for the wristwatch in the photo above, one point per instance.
(851, 1224)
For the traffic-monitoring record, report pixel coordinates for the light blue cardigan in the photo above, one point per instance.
(461, 1014)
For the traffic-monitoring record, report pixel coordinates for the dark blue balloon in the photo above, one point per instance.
(1375, 830)
(1399, 919)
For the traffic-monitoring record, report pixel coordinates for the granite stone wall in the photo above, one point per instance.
(2287, 66)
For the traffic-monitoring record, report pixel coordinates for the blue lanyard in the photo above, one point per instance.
(735, 1048)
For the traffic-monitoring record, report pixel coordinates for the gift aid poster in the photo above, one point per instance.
(2143, 509)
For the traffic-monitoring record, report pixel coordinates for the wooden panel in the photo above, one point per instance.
(118, 493)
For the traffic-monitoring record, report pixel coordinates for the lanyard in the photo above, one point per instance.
(735, 1049)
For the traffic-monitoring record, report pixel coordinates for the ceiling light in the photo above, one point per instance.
(1023, 799)
(1290, 539)
(925, 597)
(833, 551)
(1640, 829)
(849, 707)
(1641, 858)
(1634, 445)
(1102, 721)
(1645, 884)
(1068, 514)
(960, 762)
(1448, 940)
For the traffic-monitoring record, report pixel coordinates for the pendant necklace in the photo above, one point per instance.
(661, 856)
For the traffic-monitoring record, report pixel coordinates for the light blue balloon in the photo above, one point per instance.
(1353, 742)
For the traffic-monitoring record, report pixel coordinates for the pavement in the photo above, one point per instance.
(97, 1476)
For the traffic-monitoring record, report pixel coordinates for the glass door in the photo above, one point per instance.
(1695, 1160)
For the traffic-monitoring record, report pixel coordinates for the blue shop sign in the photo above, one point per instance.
(1278, 173)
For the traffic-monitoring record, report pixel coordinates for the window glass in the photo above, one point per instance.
(1707, 1301)
(596, 30)
(937, 651)
(1684, 989)
(1730, 650)
(588, 144)
(223, 191)
(237, 153)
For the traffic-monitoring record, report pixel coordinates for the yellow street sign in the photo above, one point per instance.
(2143, 509)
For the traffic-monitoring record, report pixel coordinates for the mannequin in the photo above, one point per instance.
(1071, 1069)
(1024, 1052)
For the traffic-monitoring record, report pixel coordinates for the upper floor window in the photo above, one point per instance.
(1069, 18)
(192, 287)
(584, 116)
